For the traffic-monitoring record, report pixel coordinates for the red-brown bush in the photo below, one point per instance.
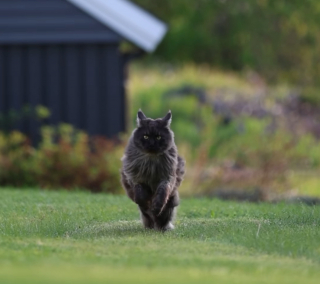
(65, 158)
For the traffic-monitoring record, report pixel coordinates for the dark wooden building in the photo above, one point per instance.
(64, 54)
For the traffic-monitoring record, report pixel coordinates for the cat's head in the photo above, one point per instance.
(153, 136)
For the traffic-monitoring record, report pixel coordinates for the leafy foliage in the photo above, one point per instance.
(13, 117)
(279, 39)
(66, 158)
(235, 133)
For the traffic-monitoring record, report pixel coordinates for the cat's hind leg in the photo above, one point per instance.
(146, 219)
(163, 222)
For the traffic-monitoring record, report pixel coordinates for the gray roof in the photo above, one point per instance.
(50, 21)
(78, 21)
(127, 19)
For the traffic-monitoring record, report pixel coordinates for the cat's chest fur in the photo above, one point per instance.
(149, 169)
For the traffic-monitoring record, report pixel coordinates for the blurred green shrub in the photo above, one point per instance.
(311, 97)
(243, 138)
(242, 151)
(196, 123)
(65, 158)
(279, 39)
(9, 119)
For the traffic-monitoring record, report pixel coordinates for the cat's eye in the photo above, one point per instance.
(158, 137)
(146, 137)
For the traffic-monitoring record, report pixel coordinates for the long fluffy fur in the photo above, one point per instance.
(152, 180)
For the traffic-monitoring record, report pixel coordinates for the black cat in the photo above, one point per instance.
(152, 171)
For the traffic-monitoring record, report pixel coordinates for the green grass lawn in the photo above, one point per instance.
(61, 237)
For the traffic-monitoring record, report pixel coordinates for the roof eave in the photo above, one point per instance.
(127, 19)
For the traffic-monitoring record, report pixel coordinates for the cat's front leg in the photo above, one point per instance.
(161, 197)
(142, 195)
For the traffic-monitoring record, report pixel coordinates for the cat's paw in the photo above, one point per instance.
(169, 227)
(165, 228)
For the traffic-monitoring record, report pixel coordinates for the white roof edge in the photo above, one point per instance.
(127, 19)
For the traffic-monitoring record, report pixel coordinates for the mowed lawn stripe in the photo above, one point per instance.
(61, 237)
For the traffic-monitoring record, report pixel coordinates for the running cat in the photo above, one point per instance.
(152, 171)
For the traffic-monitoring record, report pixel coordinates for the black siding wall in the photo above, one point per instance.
(81, 84)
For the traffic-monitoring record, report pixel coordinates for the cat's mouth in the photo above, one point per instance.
(152, 151)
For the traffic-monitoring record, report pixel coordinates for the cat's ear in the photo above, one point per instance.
(140, 116)
(167, 119)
